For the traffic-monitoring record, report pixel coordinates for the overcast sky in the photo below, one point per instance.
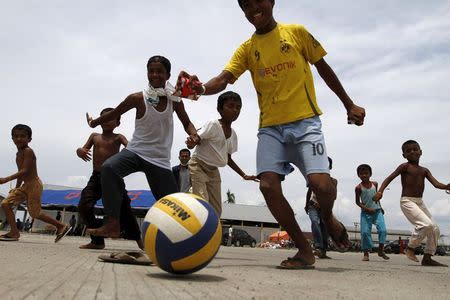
(60, 59)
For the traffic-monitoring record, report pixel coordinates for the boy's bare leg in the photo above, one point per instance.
(47, 219)
(9, 213)
(428, 261)
(111, 229)
(411, 255)
(270, 186)
(325, 191)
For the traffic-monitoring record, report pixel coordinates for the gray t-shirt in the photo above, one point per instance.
(185, 179)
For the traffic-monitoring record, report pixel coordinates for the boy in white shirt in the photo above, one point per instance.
(217, 141)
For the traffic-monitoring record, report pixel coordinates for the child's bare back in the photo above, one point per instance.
(26, 161)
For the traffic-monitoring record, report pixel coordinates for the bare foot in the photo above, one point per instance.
(411, 255)
(383, 255)
(366, 257)
(92, 246)
(428, 261)
(110, 229)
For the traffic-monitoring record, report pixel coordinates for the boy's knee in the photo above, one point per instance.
(106, 168)
(266, 188)
(322, 186)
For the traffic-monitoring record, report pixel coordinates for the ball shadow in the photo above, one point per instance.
(187, 277)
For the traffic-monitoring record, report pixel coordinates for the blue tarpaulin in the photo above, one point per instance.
(139, 198)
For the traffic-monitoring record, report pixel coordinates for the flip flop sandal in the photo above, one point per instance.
(62, 233)
(290, 264)
(129, 258)
(7, 238)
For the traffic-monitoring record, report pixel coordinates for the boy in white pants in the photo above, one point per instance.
(413, 183)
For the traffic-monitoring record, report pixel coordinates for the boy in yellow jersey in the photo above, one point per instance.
(278, 57)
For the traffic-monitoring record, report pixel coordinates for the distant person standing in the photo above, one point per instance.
(230, 235)
(58, 216)
(27, 225)
(371, 212)
(401, 245)
(73, 223)
(19, 224)
(181, 171)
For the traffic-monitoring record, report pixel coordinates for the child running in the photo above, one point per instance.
(217, 141)
(371, 212)
(413, 184)
(278, 57)
(105, 144)
(28, 187)
(149, 149)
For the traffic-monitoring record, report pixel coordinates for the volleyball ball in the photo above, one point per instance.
(181, 233)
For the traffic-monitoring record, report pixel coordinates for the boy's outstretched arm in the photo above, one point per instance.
(130, 102)
(123, 140)
(436, 183)
(26, 166)
(388, 180)
(213, 86)
(355, 113)
(238, 170)
(186, 122)
(85, 152)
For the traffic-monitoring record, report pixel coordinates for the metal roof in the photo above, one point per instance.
(243, 212)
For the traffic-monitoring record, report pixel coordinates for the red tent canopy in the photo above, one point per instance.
(278, 236)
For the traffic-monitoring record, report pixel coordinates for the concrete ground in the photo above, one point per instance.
(37, 268)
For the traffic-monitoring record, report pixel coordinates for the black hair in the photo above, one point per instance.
(409, 142)
(226, 96)
(161, 59)
(240, 3)
(330, 163)
(23, 127)
(185, 150)
(105, 110)
(362, 167)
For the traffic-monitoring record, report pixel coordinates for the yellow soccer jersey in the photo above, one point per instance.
(279, 65)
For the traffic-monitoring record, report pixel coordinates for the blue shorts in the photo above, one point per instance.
(301, 143)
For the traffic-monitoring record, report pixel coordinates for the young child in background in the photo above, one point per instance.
(28, 187)
(217, 141)
(371, 212)
(105, 144)
(413, 184)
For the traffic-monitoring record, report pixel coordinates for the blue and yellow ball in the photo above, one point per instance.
(181, 233)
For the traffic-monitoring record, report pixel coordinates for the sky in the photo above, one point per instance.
(60, 60)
